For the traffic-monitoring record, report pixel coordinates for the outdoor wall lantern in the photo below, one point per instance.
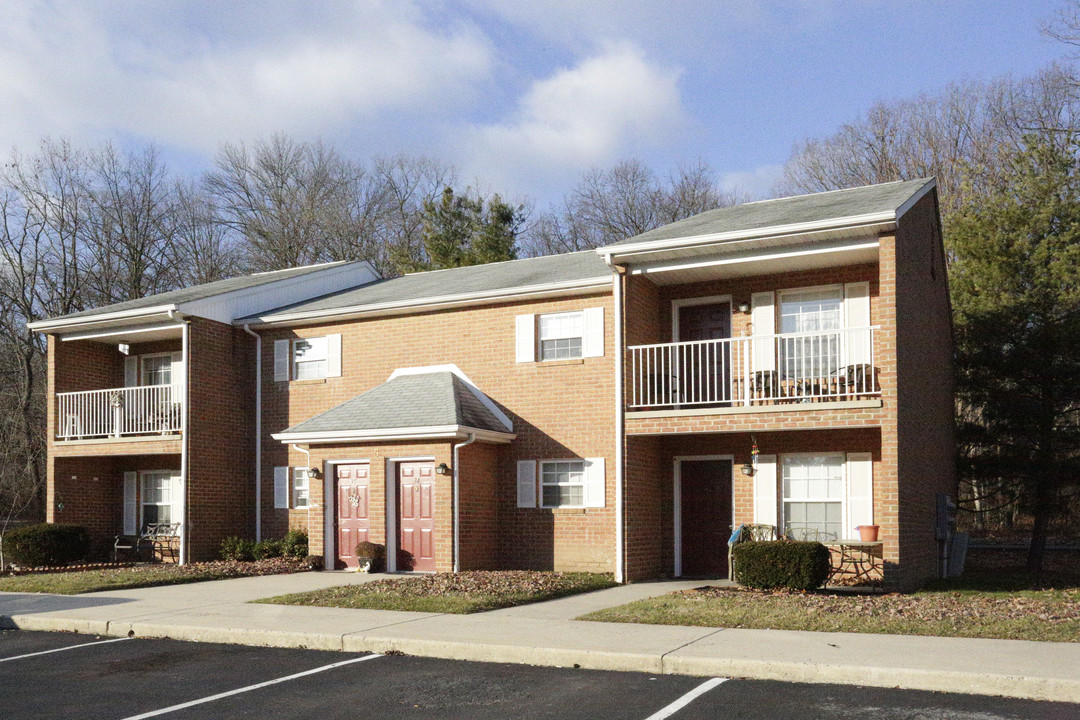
(744, 307)
(314, 472)
(748, 469)
(442, 469)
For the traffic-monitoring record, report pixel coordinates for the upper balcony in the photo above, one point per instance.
(120, 412)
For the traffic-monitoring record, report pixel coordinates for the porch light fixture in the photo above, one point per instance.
(748, 469)
(314, 472)
(442, 469)
(744, 307)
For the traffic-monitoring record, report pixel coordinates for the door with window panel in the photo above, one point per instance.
(810, 324)
(813, 497)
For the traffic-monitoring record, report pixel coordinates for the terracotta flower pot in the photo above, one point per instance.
(868, 533)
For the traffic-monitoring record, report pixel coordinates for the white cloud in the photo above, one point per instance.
(759, 183)
(612, 104)
(194, 75)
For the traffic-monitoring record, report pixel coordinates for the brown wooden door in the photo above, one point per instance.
(416, 498)
(706, 368)
(352, 510)
(706, 517)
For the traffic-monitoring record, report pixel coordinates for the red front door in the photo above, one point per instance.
(416, 498)
(706, 516)
(705, 368)
(352, 511)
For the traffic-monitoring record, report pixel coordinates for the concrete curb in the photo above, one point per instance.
(995, 684)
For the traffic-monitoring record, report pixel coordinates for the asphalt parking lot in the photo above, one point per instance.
(53, 675)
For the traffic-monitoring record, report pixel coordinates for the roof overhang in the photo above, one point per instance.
(121, 319)
(431, 432)
(404, 307)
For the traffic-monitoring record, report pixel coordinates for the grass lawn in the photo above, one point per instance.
(988, 602)
(461, 593)
(84, 581)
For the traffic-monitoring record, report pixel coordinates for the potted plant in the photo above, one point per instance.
(370, 557)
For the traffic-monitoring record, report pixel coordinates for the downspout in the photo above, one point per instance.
(184, 338)
(457, 504)
(620, 460)
(258, 430)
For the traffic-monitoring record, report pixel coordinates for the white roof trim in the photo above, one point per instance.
(451, 368)
(433, 302)
(128, 330)
(411, 433)
(61, 323)
(778, 253)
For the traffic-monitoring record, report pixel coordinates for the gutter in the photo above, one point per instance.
(620, 450)
(457, 502)
(59, 324)
(258, 431)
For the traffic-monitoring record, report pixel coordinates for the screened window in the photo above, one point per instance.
(561, 335)
(813, 497)
(156, 369)
(156, 498)
(301, 488)
(562, 483)
(812, 318)
(309, 358)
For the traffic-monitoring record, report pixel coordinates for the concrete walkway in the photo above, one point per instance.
(547, 634)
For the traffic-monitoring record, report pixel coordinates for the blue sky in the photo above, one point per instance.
(523, 96)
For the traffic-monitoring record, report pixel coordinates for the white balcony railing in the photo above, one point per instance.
(758, 370)
(119, 412)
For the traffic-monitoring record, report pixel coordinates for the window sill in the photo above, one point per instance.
(309, 381)
(560, 363)
(565, 511)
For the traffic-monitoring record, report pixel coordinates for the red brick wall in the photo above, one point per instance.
(478, 468)
(221, 424)
(559, 409)
(925, 431)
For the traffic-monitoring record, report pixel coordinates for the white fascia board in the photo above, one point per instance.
(439, 302)
(855, 221)
(129, 330)
(739, 259)
(87, 321)
(916, 197)
(413, 433)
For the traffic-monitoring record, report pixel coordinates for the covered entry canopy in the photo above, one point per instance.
(414, 403)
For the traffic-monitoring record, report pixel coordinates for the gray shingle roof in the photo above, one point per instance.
(408, 401)
(459, 281)
(201, 292)
(817, 207)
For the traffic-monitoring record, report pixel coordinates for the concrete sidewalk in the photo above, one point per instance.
(547, 634)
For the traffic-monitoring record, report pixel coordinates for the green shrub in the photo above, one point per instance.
(234, 548)
(267, 549)
(46, 544)
(295, 544)
(783, 564)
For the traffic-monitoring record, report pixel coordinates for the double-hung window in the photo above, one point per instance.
(156, 497)
(301, 488)
(309, 358)
(810, 322)
(156, 369)
(813, 496)
(562, 483)
(561, 335)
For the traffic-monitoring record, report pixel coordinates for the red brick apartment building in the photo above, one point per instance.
(784, 362)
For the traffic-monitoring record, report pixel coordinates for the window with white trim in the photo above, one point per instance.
(562, 483)
(301, 488)
(561, 335)
(813, 352)
(309, 358)
(156, 498)
(813, 496)
(156, 369)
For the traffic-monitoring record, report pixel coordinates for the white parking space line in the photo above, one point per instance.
(56, 650)
(249, 688)
(686, 699)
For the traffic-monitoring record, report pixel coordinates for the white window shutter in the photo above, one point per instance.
(765, 491)
(281, 360)
(178, 373)
(281, 488)
(763, 323)
(526, 483)
(857, 315)
(860, 490)
(131, 509)
(592, 344)
(333, 355)
(131, 371)
(525, 338)
(594, 482)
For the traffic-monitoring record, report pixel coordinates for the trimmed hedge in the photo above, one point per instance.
(295, 544)
(787, 564)
(235, 548)
(47, 544)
